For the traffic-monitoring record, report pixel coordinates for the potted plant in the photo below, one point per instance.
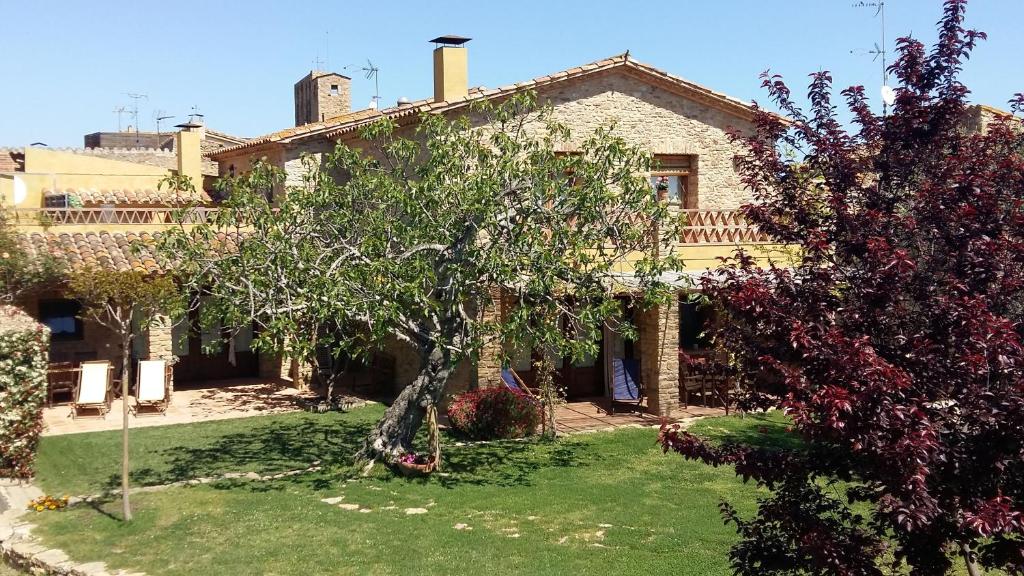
(413, 464)
(661, 185)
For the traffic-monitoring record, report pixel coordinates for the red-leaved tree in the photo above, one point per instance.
(897, 337)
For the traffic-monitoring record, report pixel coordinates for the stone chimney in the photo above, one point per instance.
(320, 96)
(451, 68)
(188, 145)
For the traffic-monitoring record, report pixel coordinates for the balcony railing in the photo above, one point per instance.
(718, 227)
(109, 215)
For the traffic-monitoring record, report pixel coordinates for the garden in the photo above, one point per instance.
(594, 503)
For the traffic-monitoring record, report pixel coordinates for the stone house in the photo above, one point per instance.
(686, 126)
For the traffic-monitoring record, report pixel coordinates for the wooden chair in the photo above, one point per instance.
(92, 392)
(691, 384)
(152, 386)
(60, 378)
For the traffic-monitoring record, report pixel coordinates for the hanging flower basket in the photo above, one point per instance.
(416, 465)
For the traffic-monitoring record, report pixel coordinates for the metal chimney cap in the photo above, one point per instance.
(188, 125)
(450, 40)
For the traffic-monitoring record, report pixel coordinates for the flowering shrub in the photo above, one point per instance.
(414, 458)
(44, 503)
(23, 352)
(488, 413)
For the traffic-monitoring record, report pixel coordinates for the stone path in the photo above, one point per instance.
(22, 550)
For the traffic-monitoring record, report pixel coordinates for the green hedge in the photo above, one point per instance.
(24, 345)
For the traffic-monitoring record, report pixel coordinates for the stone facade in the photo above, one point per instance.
(647, 111)
(662, 122)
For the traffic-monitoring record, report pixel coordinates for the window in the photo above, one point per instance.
(334, 89)
(676, 175)
(61, 316)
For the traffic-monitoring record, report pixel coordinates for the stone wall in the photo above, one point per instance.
(659, 357)
(314, 101)
(662, 122)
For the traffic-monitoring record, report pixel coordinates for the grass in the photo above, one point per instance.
(605, 503)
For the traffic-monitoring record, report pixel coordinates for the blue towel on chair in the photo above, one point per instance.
(626, 379)
(510, 380)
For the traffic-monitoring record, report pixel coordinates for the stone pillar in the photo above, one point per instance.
(488, 365)
(659, 358)
(160, 341)
(272, 366)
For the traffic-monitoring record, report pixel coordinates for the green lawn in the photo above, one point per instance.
(605, 503)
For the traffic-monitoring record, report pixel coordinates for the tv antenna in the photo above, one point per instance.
(160, 116)
(135, 111)
(879, 52)
(120, 110)
(370, 72)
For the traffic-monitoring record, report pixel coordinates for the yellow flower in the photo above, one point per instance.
(39, 508)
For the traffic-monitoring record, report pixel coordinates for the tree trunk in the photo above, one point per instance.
(972, 566)
(394, 433)
(126, 347)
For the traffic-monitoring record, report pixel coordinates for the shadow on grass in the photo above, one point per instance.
(284, 446)
(771, 431)
(275, 448)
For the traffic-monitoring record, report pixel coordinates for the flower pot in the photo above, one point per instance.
(409, 469)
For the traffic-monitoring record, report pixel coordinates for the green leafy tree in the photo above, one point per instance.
(20, 271)
(413, 237)
(119, 301)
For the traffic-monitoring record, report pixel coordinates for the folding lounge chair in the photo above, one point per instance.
(92, 392)
(625, 382)
(511, 379)
(152, 386)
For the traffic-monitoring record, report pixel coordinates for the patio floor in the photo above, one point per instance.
(216, 400)
(592, 414)
(222, 400)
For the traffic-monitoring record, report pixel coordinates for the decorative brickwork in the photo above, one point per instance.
(718, 227)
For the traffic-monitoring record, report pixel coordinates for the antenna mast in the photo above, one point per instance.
(371, 72)
(879, 52)
(120, 110)
(135, 112)
(160, 115)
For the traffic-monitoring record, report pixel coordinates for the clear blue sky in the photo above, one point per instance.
(69, 64)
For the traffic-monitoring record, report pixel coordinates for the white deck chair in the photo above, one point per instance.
(92, 392)
(152, 386)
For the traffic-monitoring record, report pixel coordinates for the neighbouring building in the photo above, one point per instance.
(87, 207)
(685, 125)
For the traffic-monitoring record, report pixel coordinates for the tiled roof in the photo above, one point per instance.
(305, 129)
(116, 250)
(138, 196)
(113, 250)
(334, 127)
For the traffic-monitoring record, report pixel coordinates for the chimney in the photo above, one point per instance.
(451, 68)
(188, 145)
(321, 96)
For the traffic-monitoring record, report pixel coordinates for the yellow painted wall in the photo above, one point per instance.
(41, 160)
(57, 170)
